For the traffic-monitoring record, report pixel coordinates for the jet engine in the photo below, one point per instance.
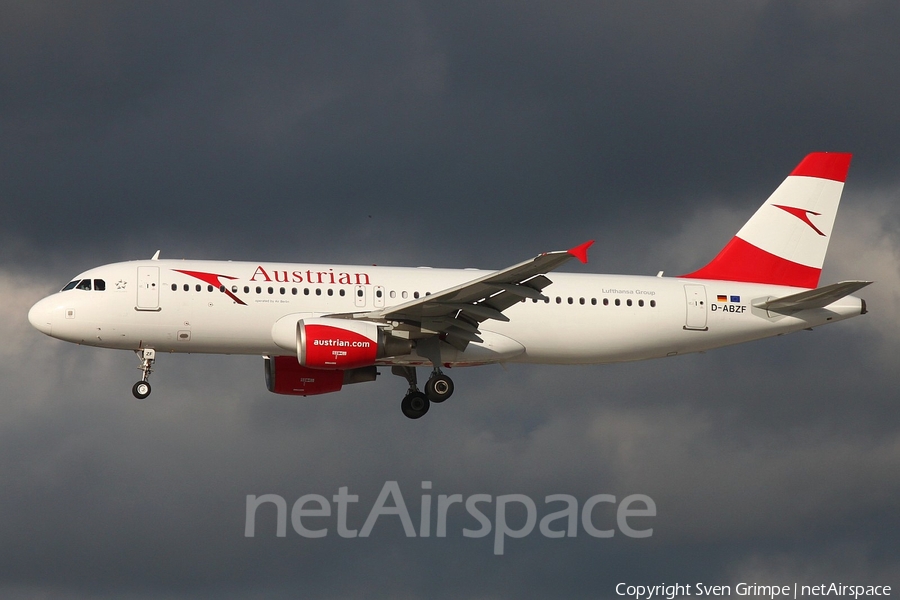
(340, 344)
(284, 375)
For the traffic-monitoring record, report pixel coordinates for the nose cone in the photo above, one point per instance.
(39, 316)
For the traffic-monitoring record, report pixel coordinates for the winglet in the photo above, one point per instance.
(580, 252)
(155, 256)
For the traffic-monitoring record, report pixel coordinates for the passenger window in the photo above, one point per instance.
(69, 286)
(606, 302)
(593, 302)
(187, 288)
(330, 292)
(209, 288)
(558, 300)
(570, 299)
(99, 285)
(294, 291)
(640, 302)
(258, 290)
(198, 288)
(404, 295)
(271, 291)
(618, 302)
(306, 291)
(318, 291)
(342, 292)
(281, 290)
(174, 287)
(653, 304)
(84, 285)
(416, 295)
(581, 301)
(628, 302)
(378, 293)
(246, 289)
(393, 294)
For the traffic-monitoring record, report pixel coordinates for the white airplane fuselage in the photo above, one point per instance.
(323, 326)
(588, 318)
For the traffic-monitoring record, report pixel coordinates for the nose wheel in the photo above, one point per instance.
(142, 389)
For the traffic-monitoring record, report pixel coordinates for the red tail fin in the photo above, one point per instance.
(785, 242)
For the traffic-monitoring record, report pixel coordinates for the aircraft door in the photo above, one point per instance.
(148, 288)
(379, 296)
(695, 296)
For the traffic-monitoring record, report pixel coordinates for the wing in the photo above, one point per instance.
(456, 313)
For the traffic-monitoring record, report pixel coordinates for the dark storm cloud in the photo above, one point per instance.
(163, 123)
(467, 135)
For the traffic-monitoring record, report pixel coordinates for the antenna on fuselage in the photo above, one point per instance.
(155, 256)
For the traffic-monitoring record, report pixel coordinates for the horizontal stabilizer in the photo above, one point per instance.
(817, 298)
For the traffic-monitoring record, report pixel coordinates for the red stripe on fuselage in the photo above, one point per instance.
(742, 261)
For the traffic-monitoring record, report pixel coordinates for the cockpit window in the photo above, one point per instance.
(85, 284)
(99, 285)
(70, 285)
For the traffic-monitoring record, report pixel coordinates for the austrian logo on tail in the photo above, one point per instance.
(802, 214)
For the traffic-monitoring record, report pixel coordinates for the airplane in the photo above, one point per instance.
(321, 326)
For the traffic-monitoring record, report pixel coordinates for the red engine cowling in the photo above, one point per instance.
(325, 343)
(284, 375)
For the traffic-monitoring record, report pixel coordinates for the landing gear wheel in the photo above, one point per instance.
(414, 405)
(141, 389)
(439, 387)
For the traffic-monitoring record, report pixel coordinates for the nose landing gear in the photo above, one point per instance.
(141, 389)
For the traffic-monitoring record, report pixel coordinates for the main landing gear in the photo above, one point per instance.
(141, 389)
(415, 404)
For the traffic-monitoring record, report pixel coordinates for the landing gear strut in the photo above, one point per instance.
(415, 404)
(141, 389)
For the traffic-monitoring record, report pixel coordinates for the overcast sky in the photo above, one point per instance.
(445, 134)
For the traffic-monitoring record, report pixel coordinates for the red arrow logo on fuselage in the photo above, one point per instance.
(213, 280)
(802, 214)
